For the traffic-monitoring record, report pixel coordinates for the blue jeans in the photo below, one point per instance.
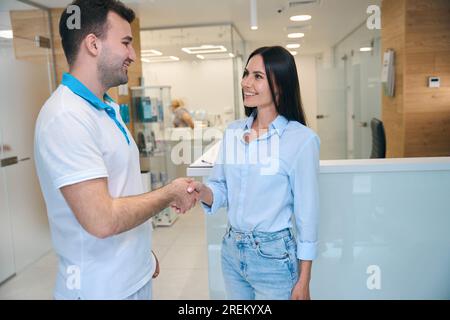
(259, 265)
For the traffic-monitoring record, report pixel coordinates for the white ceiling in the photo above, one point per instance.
(331, 20)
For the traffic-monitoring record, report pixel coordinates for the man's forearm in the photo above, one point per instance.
(129, 212)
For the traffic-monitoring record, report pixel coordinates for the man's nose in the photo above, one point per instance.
(132, 54)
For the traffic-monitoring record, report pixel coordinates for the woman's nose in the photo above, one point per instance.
(245, 83)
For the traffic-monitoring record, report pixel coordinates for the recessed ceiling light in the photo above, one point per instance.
(204, 49)
(253, 15)
(365, 49)
(303, 17)
(296, 35)
(293, 45)
(150, 53)
(293, 52)
(223, 55)
(8, 34)
(160, 59)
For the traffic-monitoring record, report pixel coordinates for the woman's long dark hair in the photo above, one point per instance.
(281, 73)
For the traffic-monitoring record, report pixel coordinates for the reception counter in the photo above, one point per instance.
(384, 230)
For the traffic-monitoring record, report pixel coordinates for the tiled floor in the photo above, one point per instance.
(180, 248)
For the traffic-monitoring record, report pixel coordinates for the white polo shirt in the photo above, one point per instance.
(75, 142)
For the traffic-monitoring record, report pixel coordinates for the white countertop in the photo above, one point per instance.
(202, 166)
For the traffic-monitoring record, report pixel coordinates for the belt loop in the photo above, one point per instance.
(228, 233)
(254, 241)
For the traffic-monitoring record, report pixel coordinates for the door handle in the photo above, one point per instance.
(8, 161)
(322, 116)
(363, 124)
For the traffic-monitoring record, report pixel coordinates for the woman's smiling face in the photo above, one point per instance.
(255, 86)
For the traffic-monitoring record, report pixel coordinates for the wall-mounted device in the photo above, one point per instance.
(434, 82)
(388, 73)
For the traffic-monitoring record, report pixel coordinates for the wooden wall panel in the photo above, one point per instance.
(393, 37)
(427, 44)
(428, 134)
(60, 60)
(422, 113)
(26, 25)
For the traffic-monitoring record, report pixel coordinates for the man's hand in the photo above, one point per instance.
(183, 201)
(204, 193)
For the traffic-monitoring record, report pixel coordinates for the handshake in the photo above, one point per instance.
(185, 193)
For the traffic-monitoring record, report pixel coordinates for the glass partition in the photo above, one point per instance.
(349, 95)
(26, 80)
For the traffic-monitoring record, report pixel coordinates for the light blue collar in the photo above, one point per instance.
(81, 90)
(279, 124)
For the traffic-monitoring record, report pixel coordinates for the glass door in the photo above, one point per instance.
(25, 85)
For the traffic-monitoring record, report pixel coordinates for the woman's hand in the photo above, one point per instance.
(301, 291)
(301, 288)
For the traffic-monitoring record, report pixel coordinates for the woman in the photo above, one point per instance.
(182, 117)
(261, 258)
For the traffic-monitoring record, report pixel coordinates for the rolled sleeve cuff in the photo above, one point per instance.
(218, 201)
(307, 250)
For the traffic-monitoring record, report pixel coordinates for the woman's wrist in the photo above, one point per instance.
(205, 194)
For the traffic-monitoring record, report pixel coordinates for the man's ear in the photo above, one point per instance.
(92, 44)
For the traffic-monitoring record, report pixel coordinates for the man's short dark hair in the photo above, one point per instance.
(93, 19)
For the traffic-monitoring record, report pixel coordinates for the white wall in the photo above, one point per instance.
(206, 85)
(306, 68)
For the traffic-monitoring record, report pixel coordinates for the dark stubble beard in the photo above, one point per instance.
(110, 70)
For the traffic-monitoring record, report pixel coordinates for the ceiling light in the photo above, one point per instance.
(160, 59)
(293, 52)
(293, 45)
(365, 49)
(224, 55)
(204, 49)
(150, 53)
(296, 35)
(8, 34)
(253, 15)
(303, 17)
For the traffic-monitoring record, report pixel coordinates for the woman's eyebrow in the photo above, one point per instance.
(255, 72)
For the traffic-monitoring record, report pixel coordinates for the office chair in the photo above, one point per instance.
(378, 139)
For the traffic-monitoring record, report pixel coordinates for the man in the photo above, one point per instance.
(88, 165)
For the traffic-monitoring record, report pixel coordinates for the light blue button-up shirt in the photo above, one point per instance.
(264, 182)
